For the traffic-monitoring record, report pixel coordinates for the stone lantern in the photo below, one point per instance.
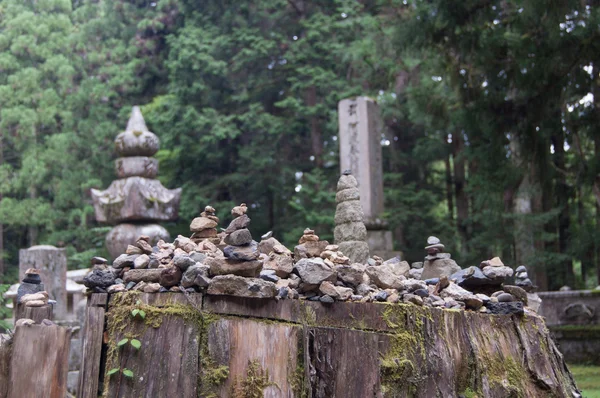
(136, 200)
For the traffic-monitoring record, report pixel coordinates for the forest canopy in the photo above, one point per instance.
(491, 109)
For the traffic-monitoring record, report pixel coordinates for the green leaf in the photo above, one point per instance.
(143, 314)
(136, 343)
(112, 371)
(135, 312)
(127, 372)
(122, 342)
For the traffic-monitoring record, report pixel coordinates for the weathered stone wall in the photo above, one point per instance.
(220, 346)
(573, 318)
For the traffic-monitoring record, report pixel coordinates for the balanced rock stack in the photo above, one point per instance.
(485, 279)
(350, 233)
(437, 263)
(309, 245)
(205, 227)
(31, 283)
(522, 279)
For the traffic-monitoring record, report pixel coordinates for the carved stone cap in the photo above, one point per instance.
(136, 140)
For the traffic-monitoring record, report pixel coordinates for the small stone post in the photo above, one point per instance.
(52, 265)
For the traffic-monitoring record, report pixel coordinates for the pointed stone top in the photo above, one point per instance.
(136, 121)
(136, 140)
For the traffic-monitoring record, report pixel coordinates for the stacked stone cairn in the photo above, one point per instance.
(233, 263)
(350, 233)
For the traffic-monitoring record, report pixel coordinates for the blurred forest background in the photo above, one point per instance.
(491, 108)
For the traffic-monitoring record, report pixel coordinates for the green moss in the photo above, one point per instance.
(504, 372)
(400, 366)
(468, 393)
(253, 385)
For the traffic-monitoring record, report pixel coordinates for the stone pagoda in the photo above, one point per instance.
(136, 201)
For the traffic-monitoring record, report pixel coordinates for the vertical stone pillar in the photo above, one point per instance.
(52, 264)
(360, 129)
(360, 151)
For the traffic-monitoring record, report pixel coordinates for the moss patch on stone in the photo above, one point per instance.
(253, 384)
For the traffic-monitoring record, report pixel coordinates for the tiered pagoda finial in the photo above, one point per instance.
(136, 200)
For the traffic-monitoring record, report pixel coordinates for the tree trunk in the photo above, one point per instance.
(523, 206)
(462, 202)
(449, 190)
(561, 192)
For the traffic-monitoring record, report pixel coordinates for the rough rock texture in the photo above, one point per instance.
(224, 266)
(350, 232)
(314, 271)
(400, 350)
(438, 268)
(243, 287)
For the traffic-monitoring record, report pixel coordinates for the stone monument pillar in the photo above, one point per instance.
(52, 265)
(360, 129)
(136, 200)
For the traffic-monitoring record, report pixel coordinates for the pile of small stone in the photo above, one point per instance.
(233, 263)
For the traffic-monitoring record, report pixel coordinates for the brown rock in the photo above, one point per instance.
(142, 275)
(133, 250)
(201, 223)
(238, 223)
(224, 266)
(239, 211)
(207, 233)
(242, 287)
(144, 246)
(280, 263)
(170, 276)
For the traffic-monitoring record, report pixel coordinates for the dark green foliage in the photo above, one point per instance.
(488, 142)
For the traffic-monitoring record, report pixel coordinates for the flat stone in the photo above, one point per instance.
(266, 245)
(124, 260)
(432, 240)
(497, 273)
(521, 268)
(268, 275)
(238, 223)
(142, 275)
(456, 292)
(225, 266)
(184, 243)
(244, 253)
(473, 303)
(328, 288)
(119, 287)
(494, 262)
(438, 246)
(201, 223)
(133, 250)
(326, 299)
(472, 277)
(417, 265)
(439, 268)
(314, 271)
(144, 245)
(98, 260)
(421, 292)
(515, 307)
(239, 237)
(234, 285)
